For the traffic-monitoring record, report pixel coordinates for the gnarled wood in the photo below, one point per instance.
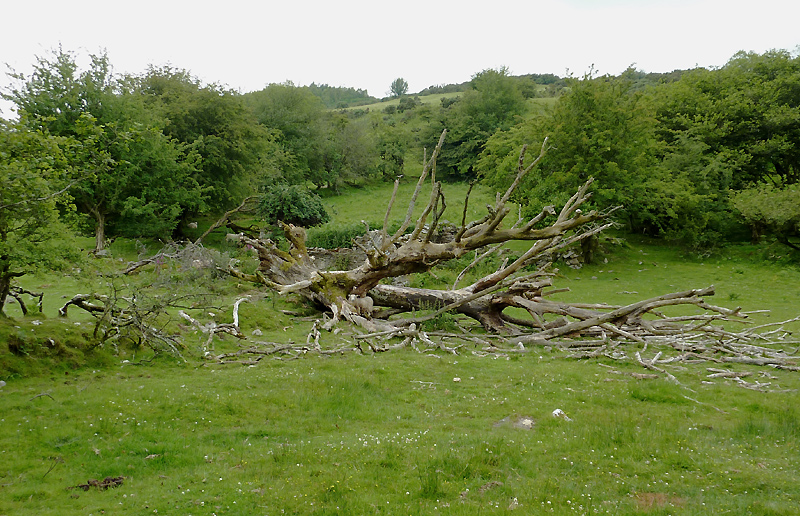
(401, 254)
(413, 249)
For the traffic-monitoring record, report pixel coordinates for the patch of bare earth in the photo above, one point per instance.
(648, 501)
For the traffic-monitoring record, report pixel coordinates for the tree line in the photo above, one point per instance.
(143, 155)
(699, 155)
(702, 156)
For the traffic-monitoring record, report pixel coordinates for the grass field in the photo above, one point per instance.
(402, 432)
(399, 433)
(536, 105)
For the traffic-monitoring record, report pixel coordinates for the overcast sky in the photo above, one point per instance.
(247, 45)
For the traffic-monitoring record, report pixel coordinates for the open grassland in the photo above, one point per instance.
(537, 105)
(370, 202)
(400, 432)
(405, 433)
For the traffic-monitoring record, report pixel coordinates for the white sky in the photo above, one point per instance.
(366, 44)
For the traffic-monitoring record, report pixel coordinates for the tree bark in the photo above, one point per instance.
(402, 254)
(6, 279)
(99, 229)
(5, 287)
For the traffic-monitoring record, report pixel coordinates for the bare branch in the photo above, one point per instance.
(385, 230)
(410, 213)
(243, 207)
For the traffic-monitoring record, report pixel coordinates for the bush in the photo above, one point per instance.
(407, 103)
(293, 204)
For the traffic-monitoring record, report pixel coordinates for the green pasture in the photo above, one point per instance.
(399, 432)
(536, 105)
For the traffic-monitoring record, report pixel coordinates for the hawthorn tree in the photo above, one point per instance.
(35, 174)
(492, 104)
(720, 132)
(234, 150)
(136, 179)
(297, 118)
(771, 209)
(355, 294)
(599, 129)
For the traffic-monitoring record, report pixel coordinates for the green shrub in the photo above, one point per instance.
(293, 204)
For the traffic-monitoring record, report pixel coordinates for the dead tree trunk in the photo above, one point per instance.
(486, 299)
(405, 253)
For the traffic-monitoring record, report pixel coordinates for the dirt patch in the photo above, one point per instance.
(106, 483)
(648, 501)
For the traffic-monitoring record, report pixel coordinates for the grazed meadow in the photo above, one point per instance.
(403, 432)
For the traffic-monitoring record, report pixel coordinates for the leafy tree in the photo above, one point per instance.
(319, 146)
(747, 113)
(340, 97)
(445, 88)
(159, 184)
(399, 87)
(34, 175)
(391, 145)
(724, 130)
(215, 123)
(132, 170)
(408, 103)
(352, 153)
(599, 129)
(772, 209)
(292, 204)
(493, 103)
(297, 118)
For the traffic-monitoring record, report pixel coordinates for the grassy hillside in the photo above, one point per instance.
(536, 105)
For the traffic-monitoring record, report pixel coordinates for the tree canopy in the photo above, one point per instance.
(399, 87)
(492, 104)
(35, 172)
(671, 150)
(674, 150)
(234, 150)
(134, 175)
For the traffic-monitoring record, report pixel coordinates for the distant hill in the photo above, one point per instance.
(341, 97)
(534, 85)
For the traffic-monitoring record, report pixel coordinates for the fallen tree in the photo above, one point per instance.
(353, 294)
(381, 310)
(356, 295)
(386, 316)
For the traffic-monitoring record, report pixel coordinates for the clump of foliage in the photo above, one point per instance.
(134, 173)
(35, 172)
(673, 151)
(493, 102)
(214, 123)
(340, 97)
(292, 204)
(407, 103)
(317, 146)
(771, 209)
